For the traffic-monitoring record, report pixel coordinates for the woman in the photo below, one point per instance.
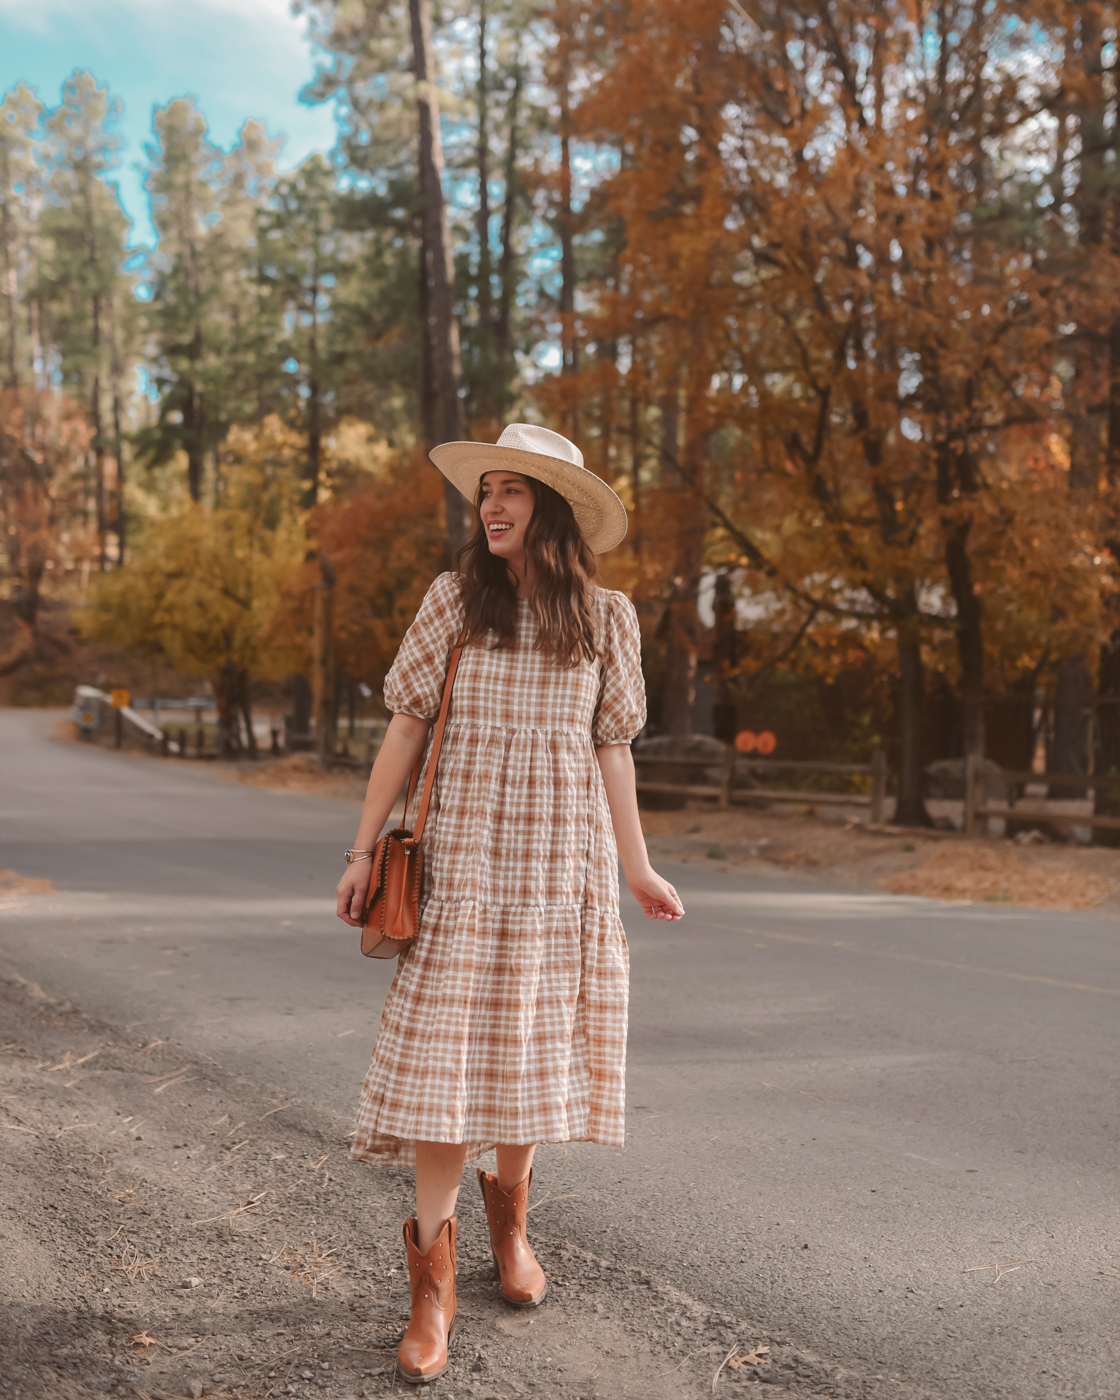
(506, 1023)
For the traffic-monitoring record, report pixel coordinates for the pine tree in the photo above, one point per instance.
(81, 284)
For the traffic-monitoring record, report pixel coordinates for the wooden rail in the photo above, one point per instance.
(732, 762)
(975, 810)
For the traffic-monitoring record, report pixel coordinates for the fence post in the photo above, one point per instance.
(878, 786)
(728, 776)
(971, 792)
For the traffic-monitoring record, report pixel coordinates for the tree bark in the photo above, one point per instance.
(970, 636)
(568, 345)
(683, 621)
(485, 301)
(11, 285)
(1068, 747)
(120, 519)
(910, 808)
(442, 327)
(506, 269)
(322, 673)
(725, 656)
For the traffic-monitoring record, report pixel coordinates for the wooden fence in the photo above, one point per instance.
(734, 763)
(976, 809)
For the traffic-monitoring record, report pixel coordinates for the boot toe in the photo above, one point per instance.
(418, 1363)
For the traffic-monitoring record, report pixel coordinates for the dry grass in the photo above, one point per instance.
(301, 773)
(11, 883)
(998, 875)
(312, 1264)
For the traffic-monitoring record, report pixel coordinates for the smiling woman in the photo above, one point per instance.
(240, 59)
(506, 1023)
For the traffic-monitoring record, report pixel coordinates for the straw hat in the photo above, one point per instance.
(545, 456)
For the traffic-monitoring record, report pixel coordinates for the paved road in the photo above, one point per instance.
(839, 1103)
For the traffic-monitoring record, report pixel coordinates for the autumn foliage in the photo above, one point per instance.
(827, 291)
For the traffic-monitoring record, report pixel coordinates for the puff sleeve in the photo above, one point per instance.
(414, 685)
(621, 710)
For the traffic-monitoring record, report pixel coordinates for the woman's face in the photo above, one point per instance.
(506, 509)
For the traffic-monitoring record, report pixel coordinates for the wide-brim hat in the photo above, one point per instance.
(546, 456)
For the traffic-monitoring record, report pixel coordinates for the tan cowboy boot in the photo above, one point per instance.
(523, 1281)
(431, 1276)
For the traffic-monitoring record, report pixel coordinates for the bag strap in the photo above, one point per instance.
(437, 742)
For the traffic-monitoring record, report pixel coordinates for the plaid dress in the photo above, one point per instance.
(506, 1021)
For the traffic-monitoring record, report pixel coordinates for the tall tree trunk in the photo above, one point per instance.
(670, 431)
(725, 656)
(506, 268)
(120, 520)
(314, 408)
(679, 690)
(910, 809)
(1067, 751)
(11, 282)
(322, 662)
(429, 399)
(485, 300)
(568, 345)
(98, 437)
(443, 327)
(970, 636)
(245, 705)
(635, 452)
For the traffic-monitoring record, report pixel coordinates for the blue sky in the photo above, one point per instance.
(238, 58)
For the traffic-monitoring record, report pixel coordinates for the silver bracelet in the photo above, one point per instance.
(357, 855)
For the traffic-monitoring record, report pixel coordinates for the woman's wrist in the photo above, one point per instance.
(635, 871)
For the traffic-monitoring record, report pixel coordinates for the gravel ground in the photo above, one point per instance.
(170, 1231)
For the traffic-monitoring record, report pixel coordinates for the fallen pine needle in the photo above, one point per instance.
(171, 1075)
(722, 1364)
(68, 1061)
(15, 1128)
(251, 1204)
(1007, 1267)
(271, 1111)
(674, 1369)
(72, 1128)
(572, 1196)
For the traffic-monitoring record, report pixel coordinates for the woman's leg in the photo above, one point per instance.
(439, 1170)
(514, 1161)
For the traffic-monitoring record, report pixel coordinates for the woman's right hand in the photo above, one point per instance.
(351, 891)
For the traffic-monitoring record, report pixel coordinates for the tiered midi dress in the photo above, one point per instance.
(506, 1021)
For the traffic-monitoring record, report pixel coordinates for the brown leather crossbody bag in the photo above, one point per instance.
(391, 917)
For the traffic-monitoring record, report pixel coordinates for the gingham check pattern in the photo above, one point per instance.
(506, 1021)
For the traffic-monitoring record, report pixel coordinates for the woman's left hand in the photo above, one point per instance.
(659, 900)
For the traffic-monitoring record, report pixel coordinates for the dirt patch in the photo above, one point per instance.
(938, 865)
(302, 773)
(999, 875)
(11, 883)
(171, 1230)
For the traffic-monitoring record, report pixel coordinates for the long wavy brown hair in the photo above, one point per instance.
(563, 567)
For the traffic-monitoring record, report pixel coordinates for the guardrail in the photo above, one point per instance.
(976, 809)
(733, 763)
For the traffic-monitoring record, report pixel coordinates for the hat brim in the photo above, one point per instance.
(599, 513)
